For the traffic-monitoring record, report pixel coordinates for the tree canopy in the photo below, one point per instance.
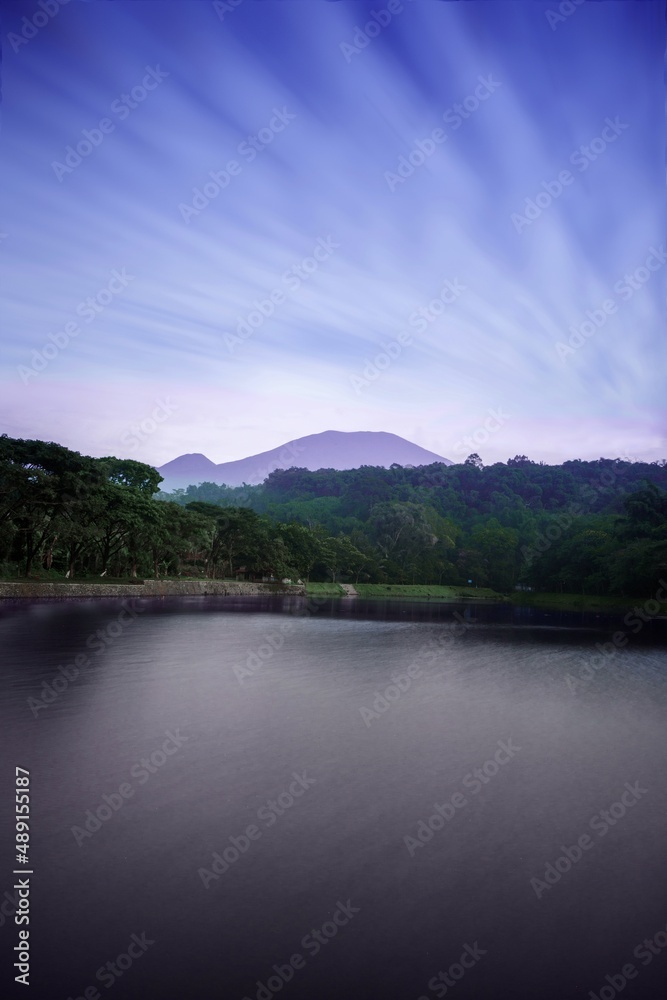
(599, 527)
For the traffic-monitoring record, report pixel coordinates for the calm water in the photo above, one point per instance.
(262, 771)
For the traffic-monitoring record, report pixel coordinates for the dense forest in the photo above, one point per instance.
(593, 527)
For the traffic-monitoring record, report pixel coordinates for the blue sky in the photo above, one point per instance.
(369, 260)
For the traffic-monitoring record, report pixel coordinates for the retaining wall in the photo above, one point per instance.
(33, 589)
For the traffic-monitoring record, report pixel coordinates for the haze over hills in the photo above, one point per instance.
(328, 450)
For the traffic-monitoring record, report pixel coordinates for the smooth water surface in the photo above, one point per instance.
(301, 750)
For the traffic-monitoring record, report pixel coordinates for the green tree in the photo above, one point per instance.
(495, 548)
(303, 546)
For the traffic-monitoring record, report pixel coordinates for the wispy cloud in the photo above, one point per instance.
(324, 175)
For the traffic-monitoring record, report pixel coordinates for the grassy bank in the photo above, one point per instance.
(425, 590)
(324, 590)
(523, 598)
(406, 591)
(442, 593)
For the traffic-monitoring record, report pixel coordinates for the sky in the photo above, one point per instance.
(227, 225)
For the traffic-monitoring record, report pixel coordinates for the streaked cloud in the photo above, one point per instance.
(323, 176)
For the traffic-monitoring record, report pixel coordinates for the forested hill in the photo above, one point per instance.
(461, 491)
(597, 526)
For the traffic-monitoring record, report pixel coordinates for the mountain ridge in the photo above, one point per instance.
(326, 450)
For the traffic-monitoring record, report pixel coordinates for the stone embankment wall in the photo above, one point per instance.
(33, 589)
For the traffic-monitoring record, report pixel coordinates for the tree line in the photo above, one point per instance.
(70, 515)
(582, 526)
(595, 527)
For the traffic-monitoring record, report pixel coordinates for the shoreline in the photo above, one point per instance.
(35, 590)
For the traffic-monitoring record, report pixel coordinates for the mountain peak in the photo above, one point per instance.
(326, 450)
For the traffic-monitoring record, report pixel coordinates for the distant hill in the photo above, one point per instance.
(328, 450)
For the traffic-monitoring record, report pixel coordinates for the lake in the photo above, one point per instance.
(244, 798)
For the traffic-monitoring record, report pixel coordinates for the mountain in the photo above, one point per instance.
(329, 450)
